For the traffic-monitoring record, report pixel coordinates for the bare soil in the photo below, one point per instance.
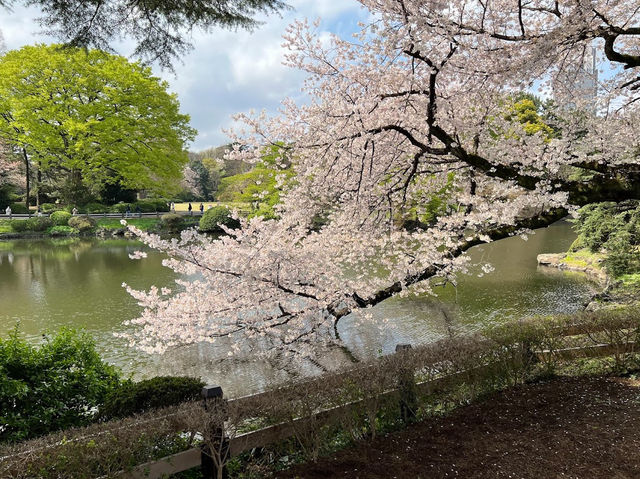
(587, 428)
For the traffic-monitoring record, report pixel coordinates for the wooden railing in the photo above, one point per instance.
(435, 383)
(272, 434)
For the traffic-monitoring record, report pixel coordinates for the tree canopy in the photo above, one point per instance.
(86, 119)
(160, 28)
(423, 97)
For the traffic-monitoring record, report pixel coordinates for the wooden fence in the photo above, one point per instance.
(275, 433)
(410, 373)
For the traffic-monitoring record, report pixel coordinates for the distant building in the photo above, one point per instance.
(578, 87)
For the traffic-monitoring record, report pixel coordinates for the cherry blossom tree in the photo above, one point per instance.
(419, 102)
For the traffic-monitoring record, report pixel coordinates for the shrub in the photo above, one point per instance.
(95, 208)
(613, 228)
(38, 223)
(19, 226)
(62, 231)
(60, 218)
(218, 215)
(82, 223)
(151, 205)
(172, 222)
(55, 385)
(136, 397)
(120, 207)
(19, 209)
(49, 207)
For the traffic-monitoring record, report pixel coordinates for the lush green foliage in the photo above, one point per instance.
(526, 111)
(60, 218)
(19, 209)
(218, 215)
(614, 229)
(150, 205)
(434, 205)
(135, 397)
(82, 223)
(172, 222)
(55, 385)
(88, 119)
(49, 207)
(62, 231)
(261, 187)
(36, 224)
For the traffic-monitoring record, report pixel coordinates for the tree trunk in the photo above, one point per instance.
(26, 166)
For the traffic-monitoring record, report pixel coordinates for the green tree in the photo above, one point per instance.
(88, 118)
(262, 185)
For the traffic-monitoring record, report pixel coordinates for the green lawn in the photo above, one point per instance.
(243, 208)
(5, 226)
(142, 223)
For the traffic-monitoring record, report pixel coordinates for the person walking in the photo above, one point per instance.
(172, 207)
(190, 209)
(128, 211)
(8, 211)
(201, 208)
(74, 211)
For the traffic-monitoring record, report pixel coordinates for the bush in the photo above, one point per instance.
(95, 208)
(172, 222)
(62, 231)
(151, 205)
(38, 223)
(55, 385)
(60, 218)
(19, 226)
(120, 207)
(49, 207)
(218, 215)
(612, 228)
(136, 397)
(19, 209)
(82, 223)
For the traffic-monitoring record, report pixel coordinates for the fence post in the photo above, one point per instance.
(407, 388)
(213, 401)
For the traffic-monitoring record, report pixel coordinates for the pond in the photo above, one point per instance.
(46, 284)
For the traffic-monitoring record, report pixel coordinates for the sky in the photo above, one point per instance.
(228, 71)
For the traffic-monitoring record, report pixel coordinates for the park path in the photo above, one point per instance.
(586, 428)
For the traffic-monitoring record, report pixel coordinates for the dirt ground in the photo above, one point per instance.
(585, 428)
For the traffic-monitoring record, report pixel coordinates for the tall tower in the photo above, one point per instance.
(577, 87)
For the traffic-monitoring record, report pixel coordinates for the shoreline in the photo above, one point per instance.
(612, 292)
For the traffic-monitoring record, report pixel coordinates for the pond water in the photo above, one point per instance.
(46, 284)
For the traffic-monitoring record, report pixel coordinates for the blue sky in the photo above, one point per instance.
(227, 72)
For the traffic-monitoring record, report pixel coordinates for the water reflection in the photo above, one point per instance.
(48, 284)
